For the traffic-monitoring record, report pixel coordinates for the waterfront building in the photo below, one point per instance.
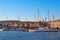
(54, 24)
(36, 25)
(22, 24)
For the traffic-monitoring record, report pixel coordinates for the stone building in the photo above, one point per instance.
(54, 24)
(22, 24)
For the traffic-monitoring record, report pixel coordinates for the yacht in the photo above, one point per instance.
(1, 29)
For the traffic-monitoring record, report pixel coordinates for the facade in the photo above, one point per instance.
(54, 24)
(23, 24)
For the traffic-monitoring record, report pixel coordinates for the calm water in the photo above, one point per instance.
(16, 35)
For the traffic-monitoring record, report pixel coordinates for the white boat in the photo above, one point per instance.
(31, 30)
(36, 30)
(1, 29)
(46, 29)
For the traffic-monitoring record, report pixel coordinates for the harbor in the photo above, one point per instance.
(29, 19)
(29, 26)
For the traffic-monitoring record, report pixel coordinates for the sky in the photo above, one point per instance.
(28, 9)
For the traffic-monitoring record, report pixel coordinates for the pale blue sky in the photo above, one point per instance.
(26, 9)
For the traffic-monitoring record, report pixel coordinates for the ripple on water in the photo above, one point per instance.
(17, 35)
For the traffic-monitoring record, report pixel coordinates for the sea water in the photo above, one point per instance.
(18, 35)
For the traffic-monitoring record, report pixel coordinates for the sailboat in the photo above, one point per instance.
(45, 29)
(36, 29)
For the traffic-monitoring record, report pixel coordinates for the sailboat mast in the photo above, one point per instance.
(6, 17)
(38, 15)
(48, 18)
(48, 15)
(53, 20)
(34, 18)
(18, 17)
